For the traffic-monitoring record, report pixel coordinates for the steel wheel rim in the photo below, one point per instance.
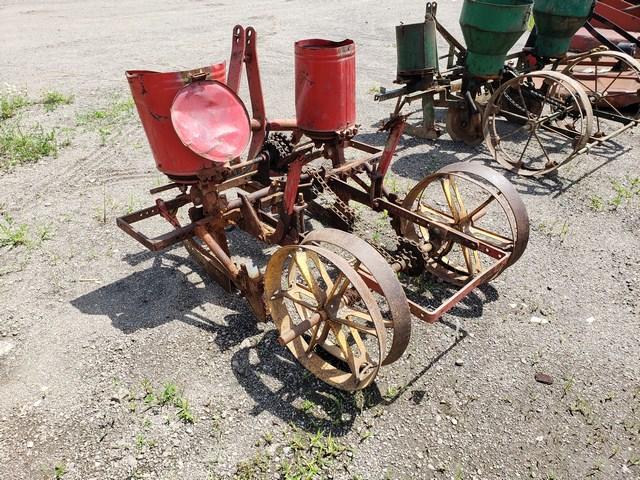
(390, 286)
(497, 189)
(540, 129)
(363, 367)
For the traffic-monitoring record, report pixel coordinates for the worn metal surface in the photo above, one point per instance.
(211, 121)
(545, 107)
(384, 276)
(557, 22)
(153, 93)
(321, 304)
(490, 29)
(417, 48)
(318, 300)
(325, 82)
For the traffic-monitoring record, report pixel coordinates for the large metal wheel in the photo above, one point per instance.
(476, 201)
(326, 315)
(612, 83)
(364, 258)
(536, 122)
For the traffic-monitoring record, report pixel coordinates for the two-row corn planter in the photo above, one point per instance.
(534, 117)
(336, 299)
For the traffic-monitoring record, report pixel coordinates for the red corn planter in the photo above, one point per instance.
(153, 93)
(325, 85)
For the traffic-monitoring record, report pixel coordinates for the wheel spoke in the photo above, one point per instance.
(301, 260)
(446, 188)
(318, 339)
(322, 269)
(286, 294)
(481, 210)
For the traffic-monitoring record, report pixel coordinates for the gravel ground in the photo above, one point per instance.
(117, 363)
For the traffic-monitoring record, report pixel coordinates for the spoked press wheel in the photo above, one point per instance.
(536, 122)
(373, 268)
(612, 82)
(326, 315)
(476, 201)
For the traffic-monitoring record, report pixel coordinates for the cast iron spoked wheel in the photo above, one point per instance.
(313, 291)
(472, 199)
(536, 122)
(612, 81)
(370, 264)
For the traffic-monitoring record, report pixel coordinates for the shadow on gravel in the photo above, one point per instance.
(164, 293)
(280, 385)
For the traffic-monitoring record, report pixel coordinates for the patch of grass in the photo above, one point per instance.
(12, 100)
(18, 146)
(59, 471)
(12, 235)
(308, 405)
(256, 468)
(169, 393)
(312, 454)
(184, 411)
(582, 407)
(374, 90)
(625, 190)
(52, 100)
(597, 203)
(112, 114)
(169, 396)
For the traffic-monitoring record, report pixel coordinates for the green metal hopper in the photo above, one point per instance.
(556, 22)
(490, 28)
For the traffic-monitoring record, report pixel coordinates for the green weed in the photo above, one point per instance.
(311, 455)
(12, 235)
(112, 114)
(256, 468)
(18, 146)
(308, 405)
(624, 190)
(597, 204)
(184, 411)
(12, 100)
(59, 471)
(52, 100)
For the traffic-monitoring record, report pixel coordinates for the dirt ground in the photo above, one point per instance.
(116, 363)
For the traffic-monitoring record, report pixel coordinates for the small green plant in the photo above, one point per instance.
(308, 405)
(59, 471)
(12, 235)
(169, 393)
(112, 114)
(256, 468)
(582, 407)
(52, 100)
(392, 392)
(12, 100)
(568, 386)
(184, 411)
(374, 90)
(624, 190)
(18, 146)
(597, 204)
(312, 454)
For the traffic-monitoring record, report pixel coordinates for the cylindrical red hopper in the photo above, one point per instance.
(325, 85)
(153, 93)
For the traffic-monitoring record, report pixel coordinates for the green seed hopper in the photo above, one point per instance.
(417, 48)
(556, 22)
(490, 28)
